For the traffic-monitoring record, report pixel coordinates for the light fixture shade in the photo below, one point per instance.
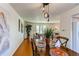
(46, 15)
(45, 10)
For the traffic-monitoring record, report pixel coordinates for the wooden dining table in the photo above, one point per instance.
(43, 52)
(67, 52)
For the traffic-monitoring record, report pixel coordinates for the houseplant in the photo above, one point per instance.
(48, 32)
(28, 29)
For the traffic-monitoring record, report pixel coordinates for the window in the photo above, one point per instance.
(40, 28)
(37, 28)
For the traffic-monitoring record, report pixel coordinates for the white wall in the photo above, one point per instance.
(15, 37)
(66, 23)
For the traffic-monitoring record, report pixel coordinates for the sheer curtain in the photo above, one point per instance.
(40, 28)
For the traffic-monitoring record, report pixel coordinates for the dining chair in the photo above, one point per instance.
(63, 40)
(34, 48)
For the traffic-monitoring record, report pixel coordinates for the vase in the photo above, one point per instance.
(47, 40)
(47, 46)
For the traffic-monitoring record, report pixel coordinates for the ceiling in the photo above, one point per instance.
(32, 11)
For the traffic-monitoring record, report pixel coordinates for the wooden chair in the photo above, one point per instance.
(34, 48)
(63, 40)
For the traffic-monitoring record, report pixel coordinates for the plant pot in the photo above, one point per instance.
(47, 40)
(27, 37)
(47, 46)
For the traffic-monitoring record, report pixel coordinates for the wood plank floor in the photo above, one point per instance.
(24, 49)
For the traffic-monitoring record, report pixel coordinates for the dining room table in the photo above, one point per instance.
(62, 51)
(53, 51)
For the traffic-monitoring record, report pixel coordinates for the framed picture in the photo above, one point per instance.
(19, 25)
(21, 28)
(4, 33)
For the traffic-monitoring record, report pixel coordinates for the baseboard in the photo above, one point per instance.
(17, 48)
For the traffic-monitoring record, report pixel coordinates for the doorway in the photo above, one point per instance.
(75, 34)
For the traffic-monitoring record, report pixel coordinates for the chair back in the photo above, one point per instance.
(34, 48)
(63, 40)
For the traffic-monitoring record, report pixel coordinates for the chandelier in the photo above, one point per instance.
(45, 10)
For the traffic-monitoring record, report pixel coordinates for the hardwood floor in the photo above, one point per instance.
(25, 49)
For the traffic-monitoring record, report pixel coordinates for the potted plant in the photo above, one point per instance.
(28, 29)
(48, 32)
